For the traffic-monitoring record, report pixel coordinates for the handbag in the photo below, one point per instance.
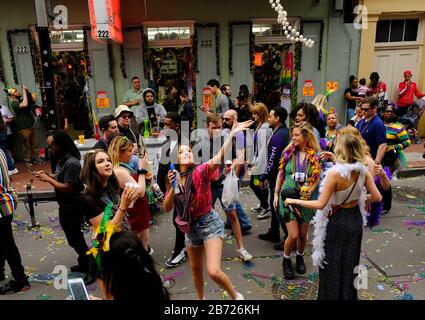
(338, 207)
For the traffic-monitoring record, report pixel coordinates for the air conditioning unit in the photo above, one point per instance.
(339, 5)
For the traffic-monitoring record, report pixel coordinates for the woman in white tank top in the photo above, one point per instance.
(340, 219)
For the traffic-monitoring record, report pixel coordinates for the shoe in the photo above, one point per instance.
(2, 276)
(176, 259)
(150, 251)
(14, 286)
(269, 237)
(28, 164)
(301, 269)
(245, 255)
(227, 226)
(239, 296)
(12, 172)
(279, 246)
(265, 213)
(78, 269)
(256, 209)
(245, 230)
(385, 211)
(288, 270)
(88, 280)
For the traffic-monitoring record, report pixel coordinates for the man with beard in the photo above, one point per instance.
(108, 126)
(150, 110)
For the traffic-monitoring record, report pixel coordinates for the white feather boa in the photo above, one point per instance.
(320, 220)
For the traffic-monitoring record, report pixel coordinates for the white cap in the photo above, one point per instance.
(120, 109)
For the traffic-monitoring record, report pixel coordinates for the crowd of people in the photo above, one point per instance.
(321, 171)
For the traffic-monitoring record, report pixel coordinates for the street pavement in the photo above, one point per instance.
(393, 252)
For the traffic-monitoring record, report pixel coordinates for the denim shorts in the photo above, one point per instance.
(207, 227)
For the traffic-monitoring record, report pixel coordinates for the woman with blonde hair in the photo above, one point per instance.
(121, 150)
(262, 134)
(340, 218)
(299, 176)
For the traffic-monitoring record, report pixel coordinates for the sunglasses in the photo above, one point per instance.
(126, 116)
(365, 109)
(226, 119)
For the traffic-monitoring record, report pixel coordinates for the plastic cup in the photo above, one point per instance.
(81, 139)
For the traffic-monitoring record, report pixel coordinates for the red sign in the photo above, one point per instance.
(206, 98)
(308, 83)
(105, 20)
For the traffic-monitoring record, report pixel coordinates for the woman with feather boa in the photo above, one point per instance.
(340, 218)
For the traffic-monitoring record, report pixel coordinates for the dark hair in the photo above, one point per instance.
(91, 178)
(213, 82)
(104, 121)
(223, 87)
(184, 93)
(174, 116)
(128, 270)
(3, 126)
(65, 143)
(352, 78)
(135, 77)
(374, 75)
(281, 113)
(312, 116)
(372, 101)
(362, 81)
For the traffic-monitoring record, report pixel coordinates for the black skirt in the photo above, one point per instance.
(342, 248)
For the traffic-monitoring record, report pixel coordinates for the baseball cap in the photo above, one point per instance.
(120, 109)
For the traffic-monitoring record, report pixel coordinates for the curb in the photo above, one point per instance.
(411, 173)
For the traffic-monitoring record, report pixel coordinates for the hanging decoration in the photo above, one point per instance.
(194, 41)
(31, 44)
(290, 32)
(146, 54)
(1, 71)
(110, 60)
(251, 48)
(217, 45)
(86, 52)
(322, 30)
(122, 62)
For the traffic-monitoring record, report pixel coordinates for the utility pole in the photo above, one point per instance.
(47, 86)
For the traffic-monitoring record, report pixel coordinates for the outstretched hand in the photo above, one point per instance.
(241, 126)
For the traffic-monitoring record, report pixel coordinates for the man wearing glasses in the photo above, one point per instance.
(123, 115)
(373, 129)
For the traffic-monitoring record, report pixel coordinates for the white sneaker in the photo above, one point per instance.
(239, 296)
(12, 172)
(256, 209)
(265, 213)
(150, 251)
(245, 255)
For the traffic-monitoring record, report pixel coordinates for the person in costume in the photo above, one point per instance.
(299, 176)
(121, 150)
(340, 218)
(104, 208)
(397, 141)
(190, 195)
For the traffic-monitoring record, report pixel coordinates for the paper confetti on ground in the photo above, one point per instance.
(415, 223)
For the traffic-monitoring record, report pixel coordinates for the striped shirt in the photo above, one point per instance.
(397, 137)
(8, 196)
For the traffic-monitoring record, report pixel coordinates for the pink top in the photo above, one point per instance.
(201, 199)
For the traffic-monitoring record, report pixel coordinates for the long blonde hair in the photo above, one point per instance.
(117, 146)
(308, 134)
(350, 147)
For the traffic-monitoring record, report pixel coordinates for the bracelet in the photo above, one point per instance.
(122, 209)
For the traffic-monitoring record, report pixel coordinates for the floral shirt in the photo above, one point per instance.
(201, 200)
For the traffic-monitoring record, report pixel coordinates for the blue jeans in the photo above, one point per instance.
(350, 114)
(242, 217)
(3, 146)
(207, 227)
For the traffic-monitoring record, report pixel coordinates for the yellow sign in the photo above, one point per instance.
(102, 102)
(308, 91)
(332, 86)
(207, 98)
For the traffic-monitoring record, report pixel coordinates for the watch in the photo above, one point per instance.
(142, 171)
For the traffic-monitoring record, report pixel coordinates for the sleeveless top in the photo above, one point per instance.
(339, 196)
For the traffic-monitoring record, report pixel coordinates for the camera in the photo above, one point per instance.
(299, 177)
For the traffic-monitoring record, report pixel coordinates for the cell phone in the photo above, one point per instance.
(78, 289)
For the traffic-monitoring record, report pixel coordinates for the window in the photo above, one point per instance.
(67, 40)
(398, 30)
(166, 34)
(268, 31)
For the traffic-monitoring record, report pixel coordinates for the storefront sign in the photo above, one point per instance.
(206, 98)
(332, 86)
(169, 66)
(258, 59)
(308, 83)
(102, 100)
(105, 20)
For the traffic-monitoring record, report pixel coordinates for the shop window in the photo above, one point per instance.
(398, 30)
(268, 31)
(67, 39)
(169, 34)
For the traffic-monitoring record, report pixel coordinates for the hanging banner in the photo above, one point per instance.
(105, 20)
(332, 86)
(206, 98)
(168, 67)
(308, 91)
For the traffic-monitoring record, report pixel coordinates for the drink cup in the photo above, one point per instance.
(81, 139)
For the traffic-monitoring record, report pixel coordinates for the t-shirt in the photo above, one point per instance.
(68, 170)
(6, 114)
(23, 116)
(201, 198)
(131, 95)
(101, 144)
(351, 104)
(374, 132)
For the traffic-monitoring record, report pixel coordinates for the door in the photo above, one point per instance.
(241, 60)
(390, 64)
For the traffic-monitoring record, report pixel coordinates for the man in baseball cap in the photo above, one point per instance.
(407, 90)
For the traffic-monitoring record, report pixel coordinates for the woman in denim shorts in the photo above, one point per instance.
(206, 231)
